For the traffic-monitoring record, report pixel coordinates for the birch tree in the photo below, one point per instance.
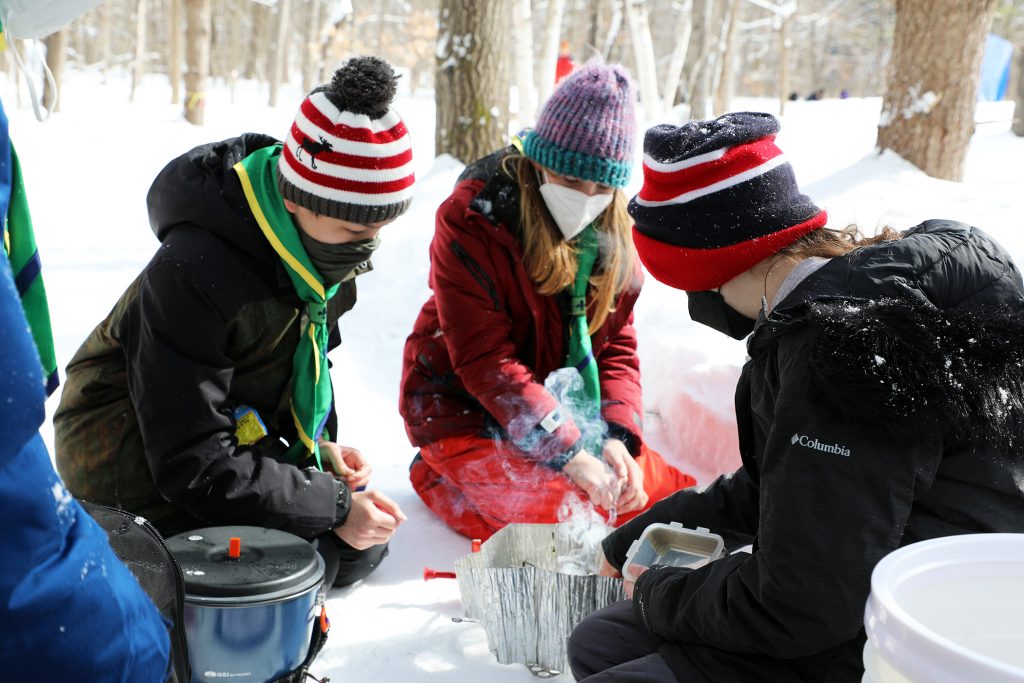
(197, 58)
(701, 72)
(522, 20)
(643, 55)
(684, 26)
(139, 69)
(928, 108)
(310, 60)
(105, 38)
(549, 49)
(279, 50)
(782, 12)
(726, 77)
(174, 40)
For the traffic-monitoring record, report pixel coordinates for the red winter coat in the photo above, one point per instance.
(482, 345)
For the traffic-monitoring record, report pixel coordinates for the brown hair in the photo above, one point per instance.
(551, 261)
(828, 243)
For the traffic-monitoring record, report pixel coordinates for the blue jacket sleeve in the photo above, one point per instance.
(71, 609)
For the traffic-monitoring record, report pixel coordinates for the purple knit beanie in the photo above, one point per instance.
(587, 126)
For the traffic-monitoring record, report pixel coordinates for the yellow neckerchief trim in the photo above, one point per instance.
(303, 437)
(316, 352)
(268, 232)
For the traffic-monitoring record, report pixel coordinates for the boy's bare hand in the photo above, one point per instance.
(346, 463)
(372, 520)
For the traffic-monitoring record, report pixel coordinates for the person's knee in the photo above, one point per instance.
(579, 652)
(355, 564)
(343, 564)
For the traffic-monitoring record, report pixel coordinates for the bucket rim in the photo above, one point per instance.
(919, 558)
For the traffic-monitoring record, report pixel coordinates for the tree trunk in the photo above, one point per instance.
(643, 54)
(382, 6)
(310, 60)
(783, 64)
(549, 50)
(675, 67)
(593, 25)
(197, 58)
(56, 54)
(280, 50)
(928, 108)
(700, 76)
(723, 93)
(105, 37)
(613, 30)
(1018, 110)
(472, 81)
(254, 66)
(139, 69)
(522, 22)
(174, 53)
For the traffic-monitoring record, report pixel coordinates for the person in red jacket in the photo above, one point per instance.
(521, 383)
(565, 63)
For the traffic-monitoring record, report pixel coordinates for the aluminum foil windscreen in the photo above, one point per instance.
(530, 585)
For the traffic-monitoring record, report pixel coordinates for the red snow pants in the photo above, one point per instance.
(477, 485)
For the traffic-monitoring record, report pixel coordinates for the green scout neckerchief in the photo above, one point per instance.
(312, 394)
(20, 247)
(581, 355)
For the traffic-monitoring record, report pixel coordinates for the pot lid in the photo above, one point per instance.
(245, 562)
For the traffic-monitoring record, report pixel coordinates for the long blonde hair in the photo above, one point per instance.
(552, 262)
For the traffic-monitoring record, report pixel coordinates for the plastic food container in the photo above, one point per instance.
(673, 545)
(948, 610)
(251, 596)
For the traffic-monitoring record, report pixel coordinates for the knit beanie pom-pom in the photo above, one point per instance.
(363, 85)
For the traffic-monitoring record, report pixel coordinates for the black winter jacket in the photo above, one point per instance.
(880, 405)
(145, 420)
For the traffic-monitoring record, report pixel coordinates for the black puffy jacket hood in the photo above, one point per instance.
(201, 188)
(936, 317)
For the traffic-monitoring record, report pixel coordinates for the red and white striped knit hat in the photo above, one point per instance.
(348, 154)
(718, 198)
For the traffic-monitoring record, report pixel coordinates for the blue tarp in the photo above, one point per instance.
(995, 68)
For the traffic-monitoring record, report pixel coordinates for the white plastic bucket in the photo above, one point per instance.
(948, 610)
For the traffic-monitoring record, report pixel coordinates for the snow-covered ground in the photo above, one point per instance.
(87, 172)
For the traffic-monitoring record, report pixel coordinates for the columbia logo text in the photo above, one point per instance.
(807, 442)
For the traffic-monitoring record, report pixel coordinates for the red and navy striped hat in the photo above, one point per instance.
(348, 154)
(718, 197)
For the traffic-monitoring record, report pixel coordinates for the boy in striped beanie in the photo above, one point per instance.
(718, 197)
(205, 398)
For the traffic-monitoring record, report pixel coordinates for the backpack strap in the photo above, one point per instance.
(321, 627)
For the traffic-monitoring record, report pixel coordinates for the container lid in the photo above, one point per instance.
(673, 545)
(245, 564)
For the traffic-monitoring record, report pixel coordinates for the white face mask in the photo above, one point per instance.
(572, 210)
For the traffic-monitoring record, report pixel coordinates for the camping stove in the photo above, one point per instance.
(529, 585)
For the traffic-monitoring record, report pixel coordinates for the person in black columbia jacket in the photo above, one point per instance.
(204, 398)
(880, 405)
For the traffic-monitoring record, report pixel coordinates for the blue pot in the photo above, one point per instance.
(247, 618)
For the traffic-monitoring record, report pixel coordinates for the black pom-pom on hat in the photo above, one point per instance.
(363, 85)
